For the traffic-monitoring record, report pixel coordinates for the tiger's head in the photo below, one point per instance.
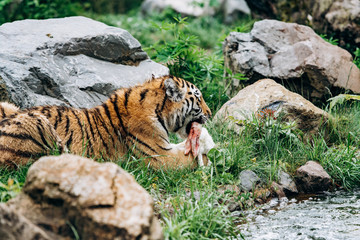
(185, 105)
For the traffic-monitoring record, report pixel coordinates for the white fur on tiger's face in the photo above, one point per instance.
(136, 119)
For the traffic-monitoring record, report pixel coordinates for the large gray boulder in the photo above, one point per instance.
(71, 61)
(293, 55)
(338, 18)
(70, 194)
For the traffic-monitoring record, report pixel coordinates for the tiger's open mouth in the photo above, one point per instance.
(200, 120)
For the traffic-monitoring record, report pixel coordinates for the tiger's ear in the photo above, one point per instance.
(173, 91)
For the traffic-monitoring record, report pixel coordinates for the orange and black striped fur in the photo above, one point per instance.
(137, 119)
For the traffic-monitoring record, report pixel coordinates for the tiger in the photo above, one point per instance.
(138, 119)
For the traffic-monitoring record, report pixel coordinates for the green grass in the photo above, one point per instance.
(198, 219)
(357, 57)
(339, 151)
(11, 182)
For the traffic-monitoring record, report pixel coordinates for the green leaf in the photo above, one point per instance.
(341, 98)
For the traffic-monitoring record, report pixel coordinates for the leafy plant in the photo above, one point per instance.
(344, 122)
(341, 98)
(9, 190)
(37, 9)
(11, 182)
(330, 40)
(268, 130)
(357, 57)
(343, 164)
(199, 219)
(4, 3)
(263, 143)
(185, 59)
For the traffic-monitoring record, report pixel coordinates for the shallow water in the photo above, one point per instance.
(323, 217)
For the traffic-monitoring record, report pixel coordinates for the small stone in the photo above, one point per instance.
(273, 202)
(259, 218)
(287, 183)
(312, 178)
(233, 206)
(278, 190)
(248, 180)
(265, 207)
(282, 205)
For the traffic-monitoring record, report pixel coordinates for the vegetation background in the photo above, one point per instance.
(188, 202)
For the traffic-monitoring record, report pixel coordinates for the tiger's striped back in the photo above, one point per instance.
(85, 132)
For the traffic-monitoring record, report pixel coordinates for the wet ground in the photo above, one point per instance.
(329, 216)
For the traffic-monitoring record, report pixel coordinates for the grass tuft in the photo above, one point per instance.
(11, 182)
